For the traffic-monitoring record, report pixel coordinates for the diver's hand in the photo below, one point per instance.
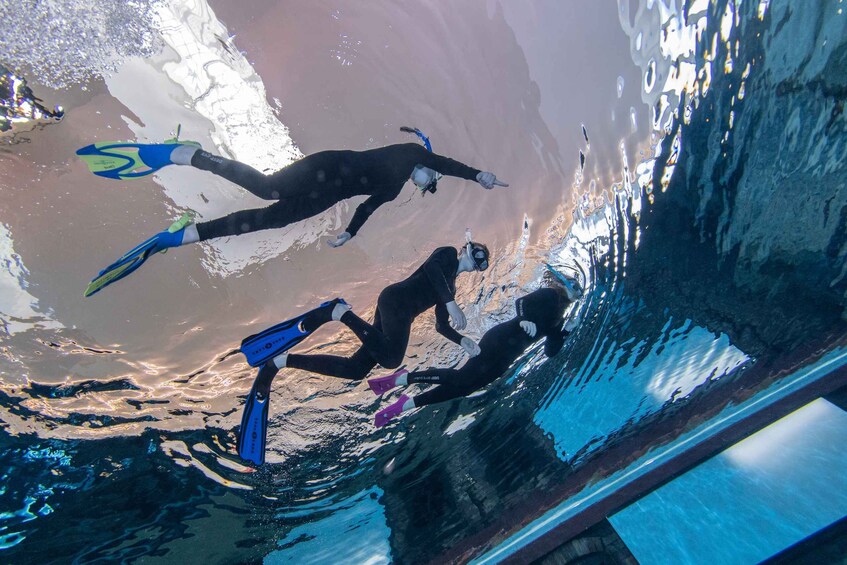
(470, 346)
(489, 180)
(339, 240)
(529, 328)
(457, 317)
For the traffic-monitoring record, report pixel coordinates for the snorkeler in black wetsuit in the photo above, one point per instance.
(384, 342)
(18, 103)
(319, 181)
(303, 189)
(539, 314)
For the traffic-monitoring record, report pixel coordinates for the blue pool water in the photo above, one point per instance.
(755, 499)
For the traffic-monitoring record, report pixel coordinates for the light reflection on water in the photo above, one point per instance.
(623, 382)
(360, 533)
(20, 310)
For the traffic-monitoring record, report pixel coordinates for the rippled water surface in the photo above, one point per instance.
(683, 159)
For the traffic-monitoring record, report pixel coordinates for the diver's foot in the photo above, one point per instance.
(322, 314)
(381, 385)
(264, 379)
(339, 310)
(183, 153)
(158, 155)
(392, 411)
(183, 222)
(174, 235)
(172, 152)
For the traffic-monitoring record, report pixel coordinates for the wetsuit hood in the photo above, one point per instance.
(545, 307)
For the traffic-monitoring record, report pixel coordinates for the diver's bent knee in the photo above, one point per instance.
(357, 373)
(392, 362)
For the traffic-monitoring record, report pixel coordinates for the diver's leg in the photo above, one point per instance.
(387, 339)
(354, 368)
(277, 215)
(381, 385)
(234, 171)
(305, 177)
(441, 393)
(452, 383)
(435, 376)
(266, 375)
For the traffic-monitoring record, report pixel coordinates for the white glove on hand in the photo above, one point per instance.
(339, 240)
(470, 346)
(457, 317)
(489, 180)
(529, 328)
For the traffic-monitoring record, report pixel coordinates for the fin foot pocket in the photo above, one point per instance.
(259, 348)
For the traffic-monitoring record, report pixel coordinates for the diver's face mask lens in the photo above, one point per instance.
(425, 179)
(479, 256)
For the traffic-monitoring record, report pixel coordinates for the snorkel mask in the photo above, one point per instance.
(431, 185)
(571, 287)
(477, 252)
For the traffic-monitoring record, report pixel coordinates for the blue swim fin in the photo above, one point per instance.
(124, 160)
(136, 257)
(123, 267)
(260, 347)
(254, 426)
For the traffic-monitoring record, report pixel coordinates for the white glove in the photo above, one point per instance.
(470, 346)
(457, 317)
(339, 240)
(529, 328)
(489, 180)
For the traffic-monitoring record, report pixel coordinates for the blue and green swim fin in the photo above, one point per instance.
(136, 257)
(126, 160)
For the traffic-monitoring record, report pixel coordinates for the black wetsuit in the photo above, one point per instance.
(499, 348)
(317, 182)
(385, 342)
